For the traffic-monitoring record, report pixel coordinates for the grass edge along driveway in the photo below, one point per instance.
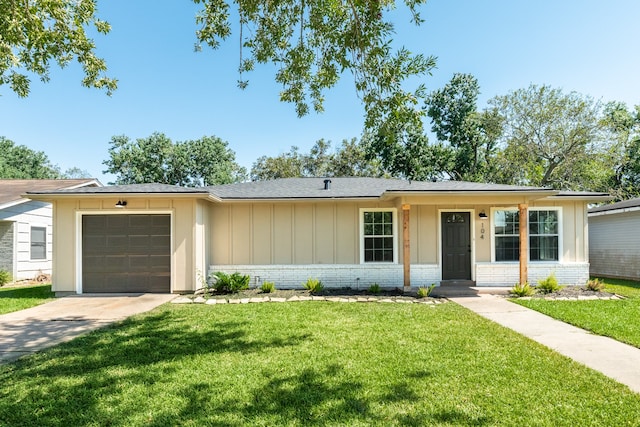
(20, 298)
(617, 319)
(308, 363)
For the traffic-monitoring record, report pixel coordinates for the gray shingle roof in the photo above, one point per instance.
(625, 204)
(313, 188)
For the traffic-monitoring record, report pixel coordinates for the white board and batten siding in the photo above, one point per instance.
(25, 216)
(614, 244)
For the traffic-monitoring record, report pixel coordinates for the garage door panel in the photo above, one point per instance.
(126, 253)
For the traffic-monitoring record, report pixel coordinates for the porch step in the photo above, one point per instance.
(460, 291)
(457, 283)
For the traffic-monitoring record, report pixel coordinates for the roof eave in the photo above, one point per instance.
(583, 197)
(530, 194)
(49, 197)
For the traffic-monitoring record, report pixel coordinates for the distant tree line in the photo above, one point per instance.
(537, 136)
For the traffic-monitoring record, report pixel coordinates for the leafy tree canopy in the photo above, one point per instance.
(312, 43)
(547, 137)
(34, 34)
(349, 159)
(157, 159)
(20, 162)
(471, 135)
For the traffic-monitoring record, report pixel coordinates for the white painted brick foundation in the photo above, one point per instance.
(356, 276)
(507, 274)
(360, 276)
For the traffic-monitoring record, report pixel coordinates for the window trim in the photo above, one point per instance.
(394, 218)
(536, 208)
(43, 244)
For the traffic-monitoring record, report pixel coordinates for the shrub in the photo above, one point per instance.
(268, 287)
(230, 283)
(314, 286)
(5, 277)
(548, 285)
(375, 289)
(425, 292)
(522, 290)
(595, 285)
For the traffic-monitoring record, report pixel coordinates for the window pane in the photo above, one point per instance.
(507, 248)
(543, 248)
(378, 236)
(38, 243)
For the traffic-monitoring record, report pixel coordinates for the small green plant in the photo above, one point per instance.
(5, 277)
(522, 290)
(268, 287)
(230, 283)
(314, 286)
(548, 285)
(425, 292)
(375, 289)
(595, 285)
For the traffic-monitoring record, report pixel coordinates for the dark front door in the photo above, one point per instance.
(456, 246)
(126, 253)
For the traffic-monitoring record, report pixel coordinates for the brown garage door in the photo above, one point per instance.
(126, 253)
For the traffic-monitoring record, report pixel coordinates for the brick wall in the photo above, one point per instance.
(6, 246)
(356, 276)
(508, 274)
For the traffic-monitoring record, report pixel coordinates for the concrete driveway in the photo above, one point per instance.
(27, 331)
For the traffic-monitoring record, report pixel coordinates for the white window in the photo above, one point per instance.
(543, 232)
(379, 237)
(38, 243)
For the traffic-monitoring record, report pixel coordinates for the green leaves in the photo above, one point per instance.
(313, 42)
(156, 159)
(34, 34)
(20, 162)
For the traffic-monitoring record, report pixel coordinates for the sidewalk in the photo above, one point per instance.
(36, 328)
(613, 358)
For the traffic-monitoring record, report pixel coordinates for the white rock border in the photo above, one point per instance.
(189, 299)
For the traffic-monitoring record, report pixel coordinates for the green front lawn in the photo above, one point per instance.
(14, 299)
(308, 363)
(618, 319)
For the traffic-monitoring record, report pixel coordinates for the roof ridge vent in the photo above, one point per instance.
(327, 184)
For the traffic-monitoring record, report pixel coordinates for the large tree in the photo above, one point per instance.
(549, 137)
(623, 152)
(472, 135)
(350, 159)
(405, 152)
(20, 162)
(205, 161)
(312, 43)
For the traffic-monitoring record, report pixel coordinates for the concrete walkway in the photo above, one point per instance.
(27, 331)
(613, 358)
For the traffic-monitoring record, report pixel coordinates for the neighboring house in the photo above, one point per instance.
(347, 232)
(26, 225)
(614, 240)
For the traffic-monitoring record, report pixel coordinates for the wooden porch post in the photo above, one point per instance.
(523, 217)
(406, 248)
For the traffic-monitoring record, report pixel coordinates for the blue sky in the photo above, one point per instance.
(591, 47)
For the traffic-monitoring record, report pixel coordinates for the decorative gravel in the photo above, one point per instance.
(293, 295)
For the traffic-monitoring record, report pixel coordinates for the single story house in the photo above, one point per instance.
(26, 225)
(614, 240)
(347, 232)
